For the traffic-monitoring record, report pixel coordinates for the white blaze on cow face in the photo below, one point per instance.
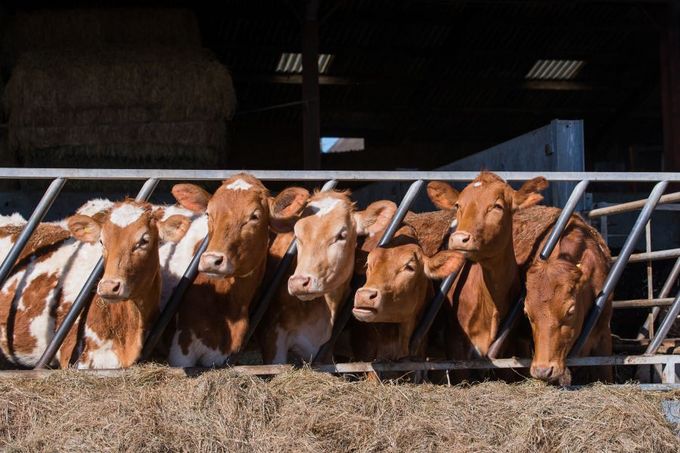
(126, 214)
(239, 184)
(95, 206)
(323, 206)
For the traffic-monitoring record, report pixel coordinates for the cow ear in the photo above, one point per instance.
(442, 195)
(191, 197)
(375, 217)
(528, 194)
(84, 228)
(286, 207)
(173, 228)
(442, 264)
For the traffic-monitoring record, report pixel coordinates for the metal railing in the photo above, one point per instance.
(152, 177)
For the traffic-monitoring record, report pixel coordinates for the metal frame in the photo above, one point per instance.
(152, 178)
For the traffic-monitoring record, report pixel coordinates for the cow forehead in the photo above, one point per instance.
(231, 202)
(95, 206)
(324, 206)
(323, 225)
(238, 184)
(126, 214)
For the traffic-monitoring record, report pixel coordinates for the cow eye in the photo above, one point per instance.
(342, 235)
(498, 206)
(143, 242)
(456, 206)
(571, 311)
(408, 267)
(254, 217)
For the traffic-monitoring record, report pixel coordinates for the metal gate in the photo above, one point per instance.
(417, 179)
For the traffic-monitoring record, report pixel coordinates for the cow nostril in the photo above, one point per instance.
(373, 295)
(465, 239)
(116, 287)
(218, 260)
(305, 282)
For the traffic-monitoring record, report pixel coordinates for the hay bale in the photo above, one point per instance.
(148, 410)
(102, 29)
(75, 89)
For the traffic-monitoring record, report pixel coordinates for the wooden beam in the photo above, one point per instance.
(310, 88)
(670, 89)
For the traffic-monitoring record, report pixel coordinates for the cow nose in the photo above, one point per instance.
(543, 373)
(215, 263)
(366, 297)
(112, 288)
(299, 283)
(460, 239)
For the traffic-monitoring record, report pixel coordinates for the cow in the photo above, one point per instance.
(560, 294)
(300, 319)
(398, 286)
(48, 276)
(212, 321)
(489, 285)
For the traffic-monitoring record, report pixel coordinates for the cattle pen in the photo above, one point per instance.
(649, 340)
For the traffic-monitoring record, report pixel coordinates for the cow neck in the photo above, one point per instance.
(336, 298)
(498, 289)
(126, 323)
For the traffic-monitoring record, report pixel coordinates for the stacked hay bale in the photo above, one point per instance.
(115, 88)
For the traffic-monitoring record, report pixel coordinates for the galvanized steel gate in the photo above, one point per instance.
(60, 177)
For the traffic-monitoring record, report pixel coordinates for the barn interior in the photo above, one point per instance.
(412, 84)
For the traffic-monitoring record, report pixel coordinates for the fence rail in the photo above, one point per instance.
(661, 180)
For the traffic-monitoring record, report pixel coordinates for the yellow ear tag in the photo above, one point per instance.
(578, 265)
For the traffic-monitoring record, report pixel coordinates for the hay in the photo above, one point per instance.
(147, 410)
(78, 89)
(96, 29)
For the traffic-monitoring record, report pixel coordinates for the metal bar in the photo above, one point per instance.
(618, 266)
(36, 217)
(648, 249)
(563, 219)
(172, 305)
(665, 326)
(631, 206)
(643, 303)
(652, 256)
(398, 217)
(362, 367)
(346, 310)
(85, 294)
(263, 304)
(322, 175)
(665, 291)
(432, 310)
(504, 331)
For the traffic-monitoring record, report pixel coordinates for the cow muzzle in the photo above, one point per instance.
(551, 373)
(216, 264)
(367, 303)
(463, 242)
(113, 289)
(304, 287)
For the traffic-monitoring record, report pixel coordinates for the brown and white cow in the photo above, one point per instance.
(301, 318)
(560, 294)
(397, 288)
(46, 281)
(487, 289)
(213, 319)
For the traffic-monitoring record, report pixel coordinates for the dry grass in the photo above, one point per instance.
(148, 410)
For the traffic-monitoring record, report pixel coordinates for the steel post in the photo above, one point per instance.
(665, 326)
(665, 291)
(618, 266)
(85, 294)
(563, 219)
(36, 217)
(506, 327)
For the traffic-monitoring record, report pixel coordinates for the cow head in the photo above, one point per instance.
(240, 214)
(129, 234)
(484, 212)
(555, 307)
(398, 280)
(327, 238)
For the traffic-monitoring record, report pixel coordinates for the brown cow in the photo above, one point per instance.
(213, 319)
(397, 289)
(128, 295)
(560, 294)
(301, 319)
(487, 289)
